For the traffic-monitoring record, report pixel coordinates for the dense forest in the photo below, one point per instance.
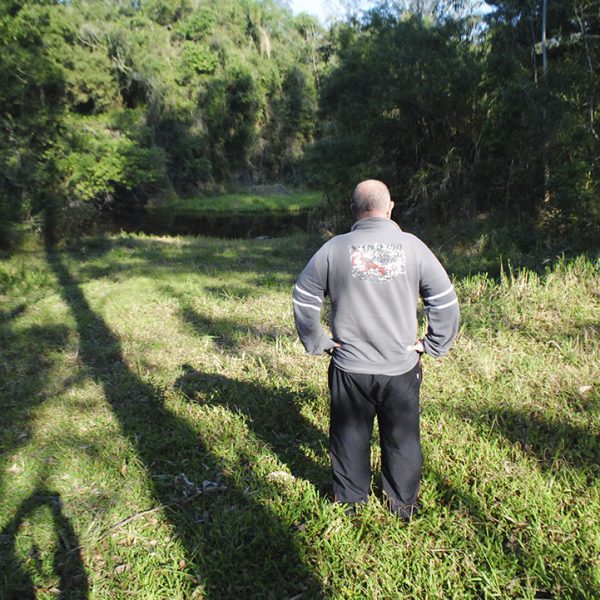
(107, 104)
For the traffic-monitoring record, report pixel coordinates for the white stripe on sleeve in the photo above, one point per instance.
(439, 295)
(317, 308)
(455, 301)
(308, 293)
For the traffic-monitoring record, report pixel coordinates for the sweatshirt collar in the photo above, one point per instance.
(375, 223)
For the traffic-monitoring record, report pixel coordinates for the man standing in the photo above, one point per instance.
(373, 276)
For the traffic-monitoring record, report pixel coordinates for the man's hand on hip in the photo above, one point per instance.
(330, 351)
(418, 347)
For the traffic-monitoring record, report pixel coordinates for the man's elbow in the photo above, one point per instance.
(440, 339)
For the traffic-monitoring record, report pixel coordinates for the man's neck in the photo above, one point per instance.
(371, 215)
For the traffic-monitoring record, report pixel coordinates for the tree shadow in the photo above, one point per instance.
(274, 416)
(67, 561)
(510, 536)
(225, 333)
(550, 441)
(233, 544)
(25, 360)
(488, 530)
(552, 445)
(6, 316)
(135, 256)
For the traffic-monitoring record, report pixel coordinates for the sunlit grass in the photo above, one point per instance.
(163, 434)
(244, 202)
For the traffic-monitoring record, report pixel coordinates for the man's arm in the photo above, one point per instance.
(308, 295)
(440, 303)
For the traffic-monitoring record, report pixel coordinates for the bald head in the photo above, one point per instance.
(371, 198)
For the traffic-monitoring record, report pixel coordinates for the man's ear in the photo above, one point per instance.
(390, 209)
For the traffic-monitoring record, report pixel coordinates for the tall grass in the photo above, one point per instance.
(163, 435)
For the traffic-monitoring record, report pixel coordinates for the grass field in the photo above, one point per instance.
(245, 203)
(163, 434)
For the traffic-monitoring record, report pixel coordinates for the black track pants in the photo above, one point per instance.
(355, 400)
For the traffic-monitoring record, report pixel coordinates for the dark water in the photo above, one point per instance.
(240, 225)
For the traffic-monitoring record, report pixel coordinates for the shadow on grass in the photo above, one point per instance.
(225, 333)
(140, 256)
(273, 415)
(67, 564)
(6, 316)
(554, 443)
(492, 245)
(503, 540)
(25, 360)
(233, 545)
(498, 541)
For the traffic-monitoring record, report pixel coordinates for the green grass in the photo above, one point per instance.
(163, 434)
(244, 203)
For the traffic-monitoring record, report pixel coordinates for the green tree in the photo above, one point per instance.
(539, 149)
(399, 106)
(32, 96)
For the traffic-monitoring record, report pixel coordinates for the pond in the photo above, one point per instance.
(226, 225)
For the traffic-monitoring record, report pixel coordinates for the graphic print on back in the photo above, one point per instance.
(377, 262)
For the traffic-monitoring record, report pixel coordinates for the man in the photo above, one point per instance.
(373, 276)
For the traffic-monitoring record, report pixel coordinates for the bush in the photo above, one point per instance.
(111, 164)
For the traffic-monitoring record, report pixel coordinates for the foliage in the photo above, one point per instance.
(461, 116)
(539, 146)
(398, 107)
(459, 112)
(32, 94)
(121, 100)
(98, 158)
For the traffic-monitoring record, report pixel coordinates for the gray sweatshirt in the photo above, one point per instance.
(374, 275)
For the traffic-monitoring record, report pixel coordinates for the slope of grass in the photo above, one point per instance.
(163, 435)
(245, 203)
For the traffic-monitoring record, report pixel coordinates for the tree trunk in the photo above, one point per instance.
(547, 196)
(590, 71)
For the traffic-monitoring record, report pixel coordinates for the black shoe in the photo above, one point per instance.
(407, 512)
